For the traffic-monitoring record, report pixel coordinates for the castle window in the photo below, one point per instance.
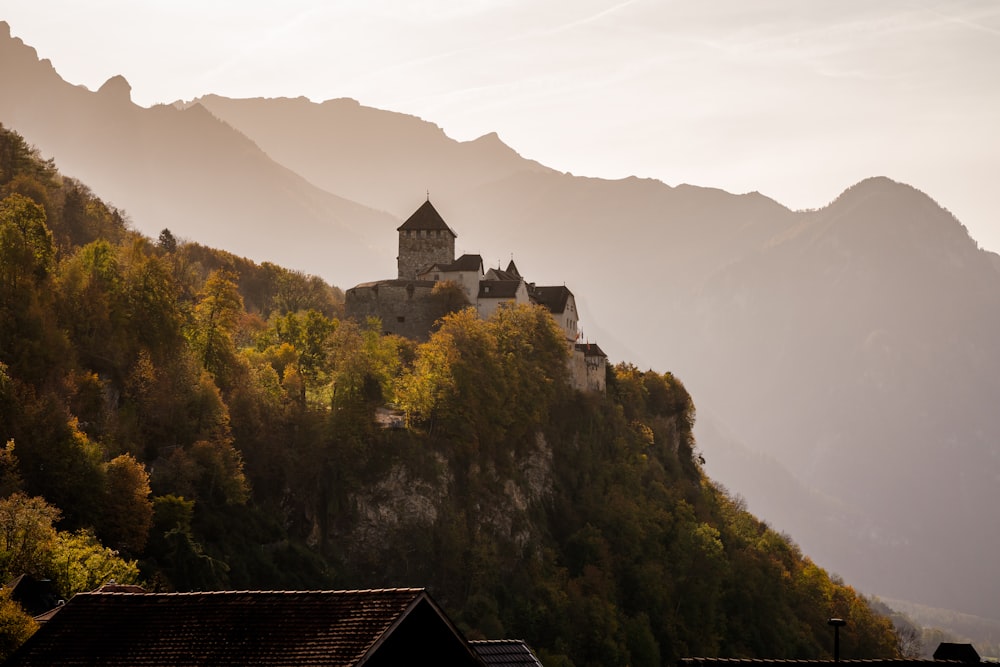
(400, 319)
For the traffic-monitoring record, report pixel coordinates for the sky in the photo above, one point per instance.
(797, 100)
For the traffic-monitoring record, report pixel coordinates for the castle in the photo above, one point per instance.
(431, 283)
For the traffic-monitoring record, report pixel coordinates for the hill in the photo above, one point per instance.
(160, 429)
(853, 347)
(850, 350)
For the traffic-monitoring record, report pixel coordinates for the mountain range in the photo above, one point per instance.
(844, 361)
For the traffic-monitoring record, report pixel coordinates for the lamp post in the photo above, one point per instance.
(837, 624)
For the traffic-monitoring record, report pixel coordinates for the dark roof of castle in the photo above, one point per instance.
(499, 274)
(424, 218)
(498, 289)
(393, 282)
(504, 653)
(552, 297)
(463, 263)
(232, 628)
(590, 350)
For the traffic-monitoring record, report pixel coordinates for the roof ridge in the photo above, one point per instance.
(359, 591)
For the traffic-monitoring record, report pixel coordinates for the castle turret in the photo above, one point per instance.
(424, 239)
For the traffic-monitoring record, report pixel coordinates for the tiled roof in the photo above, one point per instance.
(498, 289)
(590, 350)
(463, 263)
(554, 298)
(424, 218)
(504, 653)
(498, 274)
(232, 628)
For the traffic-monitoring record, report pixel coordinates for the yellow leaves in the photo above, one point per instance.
(127, 511)
(482, 380)
(81, 563)
(430, 380)
(708, 541)
(15, 625)
(26, 245)
(643, 433)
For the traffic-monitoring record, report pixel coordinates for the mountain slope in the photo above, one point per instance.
(856, 345)
(184, 170)
(379, 158)
(875, 325)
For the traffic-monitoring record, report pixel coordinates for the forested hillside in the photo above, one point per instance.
(186, 419)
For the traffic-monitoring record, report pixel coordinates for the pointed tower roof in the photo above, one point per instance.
(512, 269)
(425, 218)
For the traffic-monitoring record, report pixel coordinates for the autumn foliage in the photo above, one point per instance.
(180, 417)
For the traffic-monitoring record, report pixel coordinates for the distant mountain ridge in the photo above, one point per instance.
(185, 170)
(393, 157)
(852, 348)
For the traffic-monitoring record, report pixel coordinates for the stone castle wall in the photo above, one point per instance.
(587, 373)
(405, 307)
(420, 248)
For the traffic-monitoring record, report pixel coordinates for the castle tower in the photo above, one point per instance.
(424, 239)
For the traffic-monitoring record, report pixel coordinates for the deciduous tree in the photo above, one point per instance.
(127, 511)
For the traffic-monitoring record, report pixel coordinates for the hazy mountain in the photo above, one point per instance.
(850, 352)
(847, 357)
(866, 361)
(182, 169)
(378, 158)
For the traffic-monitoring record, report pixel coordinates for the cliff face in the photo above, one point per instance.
(407, 500)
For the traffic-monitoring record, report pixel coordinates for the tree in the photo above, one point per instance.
(29, 341)
(27, 535)
(10, 478)
(127, 511)
(79, 562)
(533, 354)
(178, 555)
(363, 364)
(306, 335)
(217, 315)
(56, 459)
(26, 246)
(15, 625)
(209, 471)
(167, 242)
(18, 158)
(447, 296)
(149, 301)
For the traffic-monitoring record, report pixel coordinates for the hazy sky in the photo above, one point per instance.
(797, 99)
